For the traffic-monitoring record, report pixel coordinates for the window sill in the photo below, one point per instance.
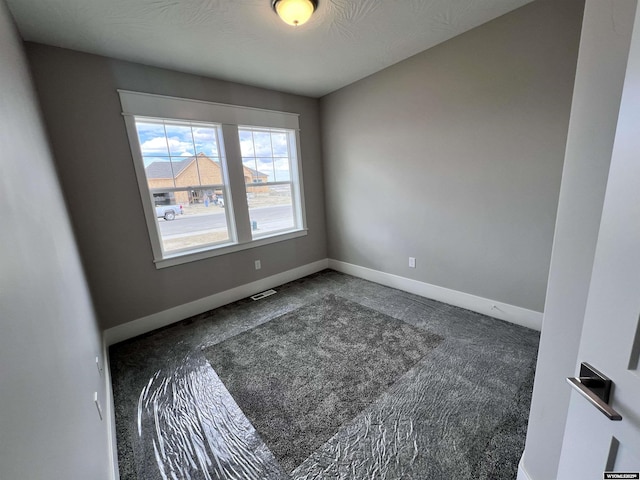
(209, 252)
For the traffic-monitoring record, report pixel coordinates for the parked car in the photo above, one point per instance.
(168, 212)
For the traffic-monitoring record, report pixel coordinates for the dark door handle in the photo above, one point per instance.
(595, 387)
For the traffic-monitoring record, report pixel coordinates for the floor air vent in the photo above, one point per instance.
(261, 295)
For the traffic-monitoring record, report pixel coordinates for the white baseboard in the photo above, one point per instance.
(175, 314)
(110, 416)
(492, 308)
(522, 472)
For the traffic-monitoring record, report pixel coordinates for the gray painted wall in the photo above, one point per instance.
(602, 62)
(454, 156)
(49, 337)
(83, 117)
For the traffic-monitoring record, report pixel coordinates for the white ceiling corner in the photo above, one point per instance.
(244, 40)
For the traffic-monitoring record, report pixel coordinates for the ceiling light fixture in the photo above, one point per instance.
(294, 12)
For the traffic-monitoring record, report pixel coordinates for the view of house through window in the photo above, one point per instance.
(184, 170)
(266, 158)
(190, 188)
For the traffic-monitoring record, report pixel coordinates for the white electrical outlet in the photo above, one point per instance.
(99, 365)
(412, 262)
(258, 265)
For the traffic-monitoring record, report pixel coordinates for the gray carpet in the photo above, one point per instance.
(299, 377)
(459, 412)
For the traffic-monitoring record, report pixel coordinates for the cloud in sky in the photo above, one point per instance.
(160, 146)
(262, 149)
(165, 139)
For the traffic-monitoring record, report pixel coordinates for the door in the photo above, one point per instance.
(610, 339)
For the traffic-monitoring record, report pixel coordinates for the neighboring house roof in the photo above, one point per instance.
(256, 173)
(165, 170)
(174, 168)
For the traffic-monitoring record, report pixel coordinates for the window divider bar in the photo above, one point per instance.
(237, 190)
(218, 186)
(267, 184)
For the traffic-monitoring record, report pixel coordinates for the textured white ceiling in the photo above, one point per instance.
(244, 41)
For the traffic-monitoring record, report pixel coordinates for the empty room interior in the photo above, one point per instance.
(295, 239)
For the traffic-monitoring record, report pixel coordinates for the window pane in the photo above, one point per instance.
(210, 170)
(159, 172)
(179, 154)
(270, 209)
(180, 168)
(190, 219)
(282, 168)
(267, 152)
(184, 171)
(180, 140)
(265, 167)
(258, 170)
(262, 144)
(152, 139)
(279, 144)
(205, 141)
(246, 142)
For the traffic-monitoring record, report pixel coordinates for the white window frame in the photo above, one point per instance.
(292, 183)
(231, 117)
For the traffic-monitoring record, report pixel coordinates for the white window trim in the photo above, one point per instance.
(207, 252)
(231, 117)
(296, 187)
(175, 108)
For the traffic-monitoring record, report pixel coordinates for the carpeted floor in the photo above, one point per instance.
(438, 392)
(325, 363)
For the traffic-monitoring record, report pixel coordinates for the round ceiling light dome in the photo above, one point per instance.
(294, 12)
